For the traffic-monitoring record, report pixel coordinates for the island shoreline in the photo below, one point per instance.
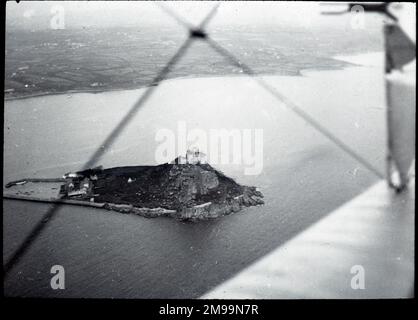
(185, 189)
(210, 210)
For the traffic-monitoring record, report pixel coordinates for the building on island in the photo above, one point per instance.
(193, 156)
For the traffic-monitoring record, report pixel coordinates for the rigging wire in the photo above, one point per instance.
(111, 138)
(194, 33)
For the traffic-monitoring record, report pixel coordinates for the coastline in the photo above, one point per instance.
(198, 188)
(301, 72)
(101, 113)
(292, 180)
(203, 211)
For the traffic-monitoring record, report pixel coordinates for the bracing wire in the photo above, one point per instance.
(101, 150)
(194, 32)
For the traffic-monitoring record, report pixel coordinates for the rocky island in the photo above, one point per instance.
(188, 188)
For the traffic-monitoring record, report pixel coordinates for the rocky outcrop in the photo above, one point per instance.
(190, 181)
(205, 211)
(192, 190)
(145, 212)
(250, 197)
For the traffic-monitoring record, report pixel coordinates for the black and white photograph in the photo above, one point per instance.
(209, 150)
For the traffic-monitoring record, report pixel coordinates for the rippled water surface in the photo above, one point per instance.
(108, 254)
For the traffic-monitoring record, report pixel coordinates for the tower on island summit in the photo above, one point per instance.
(193, 156)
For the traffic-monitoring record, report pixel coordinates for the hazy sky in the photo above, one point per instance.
(38, 14)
